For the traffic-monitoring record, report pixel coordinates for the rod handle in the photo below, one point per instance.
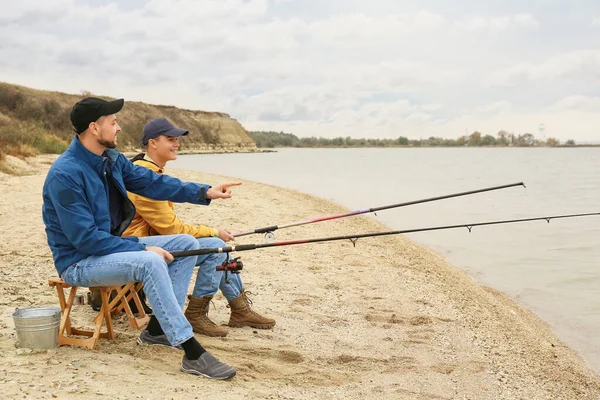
(266, 229)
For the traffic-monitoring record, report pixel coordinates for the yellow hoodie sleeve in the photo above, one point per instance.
(155, 217)
(162, 219)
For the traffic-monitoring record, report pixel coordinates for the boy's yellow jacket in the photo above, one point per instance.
(156, 217)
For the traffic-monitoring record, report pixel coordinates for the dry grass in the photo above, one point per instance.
(29, 139)
(40, 119)
(3, 166)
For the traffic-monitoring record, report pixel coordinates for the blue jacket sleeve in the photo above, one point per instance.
(77, 221)
(147, 183)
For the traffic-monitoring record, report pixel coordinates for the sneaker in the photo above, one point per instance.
(160, 340)
(207, 365)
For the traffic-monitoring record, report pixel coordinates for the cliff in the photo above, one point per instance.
(26, 112)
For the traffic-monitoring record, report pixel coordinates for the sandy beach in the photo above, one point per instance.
(388, 318)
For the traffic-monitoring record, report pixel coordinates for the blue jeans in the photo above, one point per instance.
(209, 280)
(165, 285)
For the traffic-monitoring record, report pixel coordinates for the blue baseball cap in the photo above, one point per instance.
(160, 126)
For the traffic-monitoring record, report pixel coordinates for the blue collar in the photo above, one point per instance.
(95, 161)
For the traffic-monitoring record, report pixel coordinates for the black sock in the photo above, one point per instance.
(154, 328)
(193, 349)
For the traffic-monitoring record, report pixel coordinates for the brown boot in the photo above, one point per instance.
(197, 314)
(242, 314)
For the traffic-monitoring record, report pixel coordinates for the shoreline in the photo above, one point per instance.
(130, 154)
(388, 316)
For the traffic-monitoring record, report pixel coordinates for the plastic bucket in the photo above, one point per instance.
(37, 327)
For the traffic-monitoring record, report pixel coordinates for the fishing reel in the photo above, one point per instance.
(269, 237)
(234, 266)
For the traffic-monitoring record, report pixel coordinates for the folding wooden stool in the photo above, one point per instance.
(120, 302)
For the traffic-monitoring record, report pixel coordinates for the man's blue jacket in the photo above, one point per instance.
(76, 203)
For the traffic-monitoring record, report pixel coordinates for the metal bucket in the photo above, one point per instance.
(37, 327)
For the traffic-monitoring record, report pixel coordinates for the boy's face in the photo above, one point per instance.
(164, 147)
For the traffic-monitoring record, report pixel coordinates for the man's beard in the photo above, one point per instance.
(108, 144)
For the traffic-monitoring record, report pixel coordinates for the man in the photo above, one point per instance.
(86, 210)
(161, 141)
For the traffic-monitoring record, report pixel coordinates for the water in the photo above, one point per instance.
(550, 268)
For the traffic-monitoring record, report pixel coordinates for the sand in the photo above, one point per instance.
(388, 318)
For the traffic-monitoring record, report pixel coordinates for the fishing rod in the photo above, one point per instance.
(355, 237)
(268, 230)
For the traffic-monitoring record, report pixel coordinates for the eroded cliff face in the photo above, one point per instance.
(209, 131)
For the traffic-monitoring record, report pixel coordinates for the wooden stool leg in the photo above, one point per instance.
(138, 301)
(65, 329)
(65, 320)
(142, 318)
(121, 303)
(116, 304)
(123, 295)
(110, 333)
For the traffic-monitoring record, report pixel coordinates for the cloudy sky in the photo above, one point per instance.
(360, 68)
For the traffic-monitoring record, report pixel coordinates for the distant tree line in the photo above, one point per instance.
(476, 139)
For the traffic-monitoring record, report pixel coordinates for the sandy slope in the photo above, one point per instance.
(387, 318)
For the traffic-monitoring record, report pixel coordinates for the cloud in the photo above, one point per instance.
(336, 68)
(577, 103)
(525, 20)
(596, 21)
(561, 119)
(496, 24)
(582, 65)
(494, 108)
(21, 12)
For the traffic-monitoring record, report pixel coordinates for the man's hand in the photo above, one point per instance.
(168, 257)
(221, 191)
(225, 235)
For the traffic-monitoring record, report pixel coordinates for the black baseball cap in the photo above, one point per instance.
(91, 109)
(160, 126)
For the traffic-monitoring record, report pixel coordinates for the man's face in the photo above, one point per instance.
(106, 129)
(164, 148)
